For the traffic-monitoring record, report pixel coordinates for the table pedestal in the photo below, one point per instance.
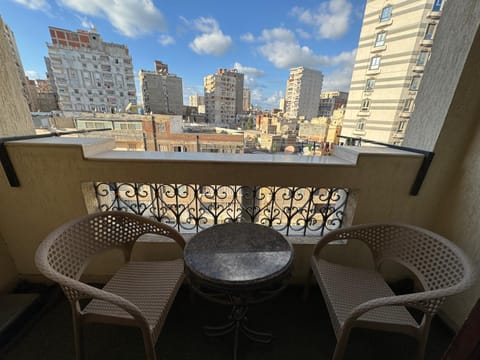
(238, 323)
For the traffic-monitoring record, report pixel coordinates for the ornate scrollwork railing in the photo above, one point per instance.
(303, 211)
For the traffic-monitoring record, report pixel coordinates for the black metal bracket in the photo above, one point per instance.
(7, 162)
(422, 171)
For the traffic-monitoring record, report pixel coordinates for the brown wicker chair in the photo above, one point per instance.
(361, 298)
(139, 294)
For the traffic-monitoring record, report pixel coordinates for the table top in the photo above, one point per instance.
(238, 254)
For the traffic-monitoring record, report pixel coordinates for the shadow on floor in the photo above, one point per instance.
(301, 331)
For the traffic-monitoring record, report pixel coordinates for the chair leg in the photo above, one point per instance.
(149, 344)
(341, 344)
(423, 337)
(77, 336)
(306, 291)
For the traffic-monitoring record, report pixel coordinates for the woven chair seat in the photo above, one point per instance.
(149, 285)
(348, 287)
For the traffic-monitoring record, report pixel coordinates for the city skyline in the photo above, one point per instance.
(195, 41)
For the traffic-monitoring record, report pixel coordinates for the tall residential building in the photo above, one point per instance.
(196, 100)
(330, 101)
(246, 100)
(9, 37)
(88, 73)
(15, 117)
(223, 96)
(395, 44)
(302, 95)
(162, 92)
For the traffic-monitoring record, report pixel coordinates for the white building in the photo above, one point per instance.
(162, 92)
(223, 96)
(196, 100)
(395, 44)
(88, 73)
(302, 96)
(246, 100)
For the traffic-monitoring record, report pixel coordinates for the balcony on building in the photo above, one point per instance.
(66, 177)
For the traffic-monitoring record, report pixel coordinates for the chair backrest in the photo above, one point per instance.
(68, 249)
(434, 260)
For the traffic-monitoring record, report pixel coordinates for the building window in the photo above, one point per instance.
(375, 63)
(422, 58)
(408, 105)
(178, 149)
(76, 91)
(360, 125)
(365, 104)
(386, 13)
(94, 57)
(429, 31)
(401, 126)
(415, 83)
(380, 39)
(370, 85)
(437, 5)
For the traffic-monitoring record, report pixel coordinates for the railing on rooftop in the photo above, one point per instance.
(190, 208)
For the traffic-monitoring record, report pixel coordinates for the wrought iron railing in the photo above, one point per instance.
(304, 211)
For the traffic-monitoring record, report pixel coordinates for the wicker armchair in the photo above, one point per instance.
(361, 298)
(139, 294)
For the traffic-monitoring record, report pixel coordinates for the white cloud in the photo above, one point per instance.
(248, 37)
(212, 41)
(32, 74)
(248, 70)
(340, 79)
(34, 4)
(166, 40)
(132, 18)
(87, 24)
(303, 34)
(331, 19)
(282, 49)
(274, 99)
(251, 75)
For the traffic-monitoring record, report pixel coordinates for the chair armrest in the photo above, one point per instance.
(418, 300)
(100, 294)
(164, 229)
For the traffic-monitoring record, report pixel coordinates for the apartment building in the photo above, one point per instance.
(162, 92)
(8, 36)
(302, 95)
(394, 47)
(89, 74)
(223, 96)
(330, 101)
(15, 117)
(196, 100)
(247, 100)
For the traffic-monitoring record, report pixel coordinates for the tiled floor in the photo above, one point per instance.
(301, 331)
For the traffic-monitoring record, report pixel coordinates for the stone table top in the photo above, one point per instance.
(237, 255)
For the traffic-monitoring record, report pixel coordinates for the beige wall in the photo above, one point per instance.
(450, 118)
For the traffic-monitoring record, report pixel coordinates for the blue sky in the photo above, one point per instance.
(262, 39)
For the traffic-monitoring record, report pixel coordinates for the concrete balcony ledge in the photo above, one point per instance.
(56, 178)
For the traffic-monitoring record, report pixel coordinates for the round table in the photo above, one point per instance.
(238, 264)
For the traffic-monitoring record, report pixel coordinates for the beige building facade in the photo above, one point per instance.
(15, 117)
(162, 92)
(223, 96)
(302, 95)
(395, 44)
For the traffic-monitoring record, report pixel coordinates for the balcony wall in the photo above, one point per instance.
(53, 174)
